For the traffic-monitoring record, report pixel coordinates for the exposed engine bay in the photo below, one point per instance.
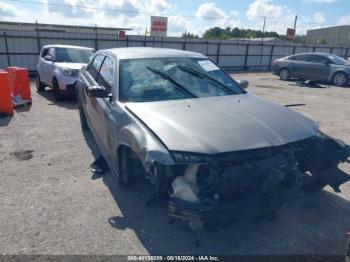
(250, 184)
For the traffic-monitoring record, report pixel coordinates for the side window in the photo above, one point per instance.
(106, 76)
(318, 59)
(51, 52)
(302, 58)
(94, 67)
(44, 52)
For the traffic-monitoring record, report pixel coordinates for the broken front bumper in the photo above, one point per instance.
(264, 183)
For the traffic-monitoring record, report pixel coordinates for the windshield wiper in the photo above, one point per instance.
(167, 77)
(205, 76)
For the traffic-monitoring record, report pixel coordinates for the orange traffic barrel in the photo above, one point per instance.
(12, 76)
(5, 94)
(19, 82)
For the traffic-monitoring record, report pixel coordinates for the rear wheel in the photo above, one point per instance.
(39, 85)
(56, 91)
(284, 74)
(340, 79)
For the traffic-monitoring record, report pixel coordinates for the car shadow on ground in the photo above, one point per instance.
(313, 223)
(68, 102)
(4, 120)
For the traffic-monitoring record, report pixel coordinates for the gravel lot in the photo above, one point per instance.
(51, 204)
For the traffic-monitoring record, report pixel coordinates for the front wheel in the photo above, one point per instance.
(39, 85)
(340, 79)
(284, 74)
(56, 91)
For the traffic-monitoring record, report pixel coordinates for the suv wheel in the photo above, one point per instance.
(56, 91)
(340, 79)
(39, 85)
(284, 74)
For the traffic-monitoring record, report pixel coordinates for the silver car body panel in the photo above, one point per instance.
(223, 124)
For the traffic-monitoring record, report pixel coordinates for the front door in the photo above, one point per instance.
(299, 67)
(319, 68)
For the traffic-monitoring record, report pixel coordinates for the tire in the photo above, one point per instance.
(284, 74)
(340, 79)
(125, 167)
(39, 85)
(56, 91)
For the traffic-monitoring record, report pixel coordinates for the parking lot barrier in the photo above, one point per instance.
(5, 94)
(20, 85)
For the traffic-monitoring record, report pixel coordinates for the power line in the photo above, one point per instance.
(114, 10)
(171, 15)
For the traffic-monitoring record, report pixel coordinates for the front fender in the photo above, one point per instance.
(145, 145)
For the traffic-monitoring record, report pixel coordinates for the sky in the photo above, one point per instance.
(183, 15)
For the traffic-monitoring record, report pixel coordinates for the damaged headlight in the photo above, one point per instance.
(184, 157)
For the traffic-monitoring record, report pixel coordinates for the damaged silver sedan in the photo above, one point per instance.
(214, 152)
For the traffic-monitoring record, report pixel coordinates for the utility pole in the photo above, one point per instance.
(262, 44)
(295, 26)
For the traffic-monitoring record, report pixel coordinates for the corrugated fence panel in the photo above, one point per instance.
(232, 49)
(232, 53)
(27, 61)
(103, 44)
(323, 50)
(231, 61)
(3, 61)
(2, 45)
(22, 45)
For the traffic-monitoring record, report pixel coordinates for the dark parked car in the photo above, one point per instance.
(313, 66)
(214, 151)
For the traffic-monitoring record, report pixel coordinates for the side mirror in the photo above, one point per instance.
(97, 91)
(243, 83)
(48, 58)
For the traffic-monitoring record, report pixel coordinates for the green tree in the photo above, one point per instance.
(189, 35)
(227, 33)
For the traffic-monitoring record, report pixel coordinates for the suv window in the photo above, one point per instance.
(51, 52)
(318, 59)
(302, 58)
(95, 66)
(44, 52)
(106, 75)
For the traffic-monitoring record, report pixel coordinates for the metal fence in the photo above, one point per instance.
(21, 48)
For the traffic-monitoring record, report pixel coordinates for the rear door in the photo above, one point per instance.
(319, 68)
(300, 66)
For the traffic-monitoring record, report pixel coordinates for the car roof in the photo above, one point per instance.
(313, 53)
(68, 46)
(149, 52)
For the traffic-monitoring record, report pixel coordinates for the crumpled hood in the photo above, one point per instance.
(222, 124)
(76, 66)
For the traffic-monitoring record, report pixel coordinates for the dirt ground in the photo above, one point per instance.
(50, 203)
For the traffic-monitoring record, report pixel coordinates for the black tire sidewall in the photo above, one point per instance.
(56, 91)
(39, 86)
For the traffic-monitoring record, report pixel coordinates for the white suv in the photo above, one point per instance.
(58, 67)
